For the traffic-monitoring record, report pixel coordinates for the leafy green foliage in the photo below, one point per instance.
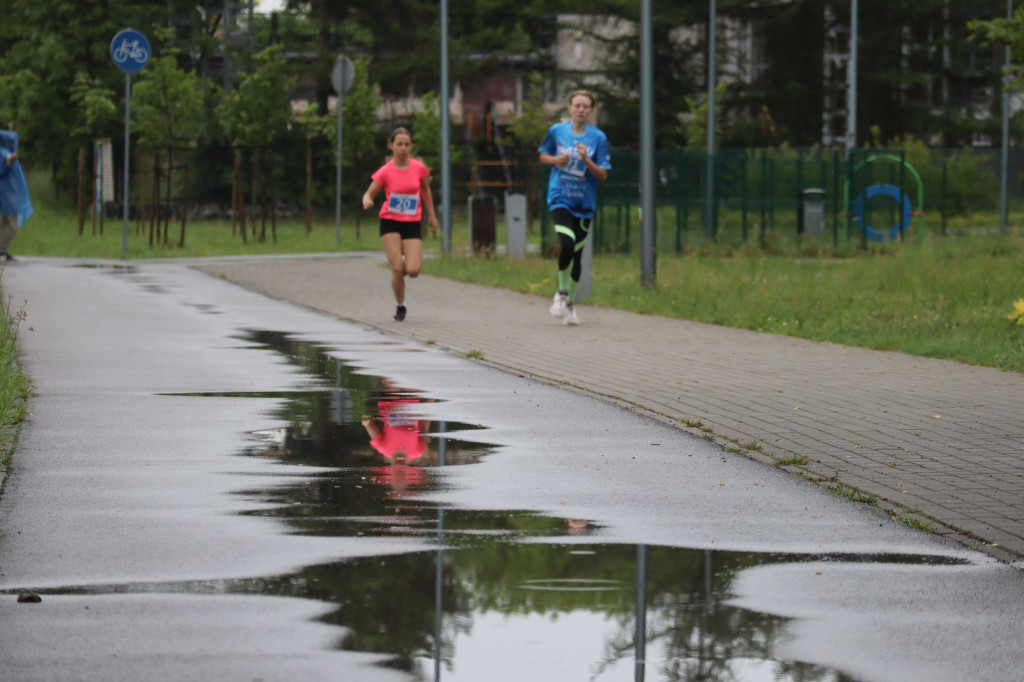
(167, 105)
(532, 124)
(95, 104)
(360, 145)
(54, 41)
(427, 130)
(695, 126)
(257, 111)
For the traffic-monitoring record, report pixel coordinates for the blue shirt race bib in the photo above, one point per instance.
(573, 187)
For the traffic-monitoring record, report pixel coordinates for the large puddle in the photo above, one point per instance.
(502, 595)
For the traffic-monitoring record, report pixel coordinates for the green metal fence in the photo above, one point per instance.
(834, 197)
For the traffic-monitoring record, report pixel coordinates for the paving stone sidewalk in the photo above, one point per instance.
(933, 441)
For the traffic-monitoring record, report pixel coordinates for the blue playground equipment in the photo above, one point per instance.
(897, 194)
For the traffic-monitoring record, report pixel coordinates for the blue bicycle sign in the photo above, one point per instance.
(130, 50)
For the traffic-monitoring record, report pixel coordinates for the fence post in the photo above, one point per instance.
(764, 192)
(942, 204)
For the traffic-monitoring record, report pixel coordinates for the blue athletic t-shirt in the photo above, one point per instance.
(572, 187)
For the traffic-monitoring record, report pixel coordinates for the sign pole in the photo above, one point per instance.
(342, 77)
(337, 188)
(130, 51)
(648, 186)
(446, 152)
(127, 156)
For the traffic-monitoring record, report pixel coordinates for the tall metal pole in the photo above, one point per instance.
(709, 188)
(337, 183)
(446, 161)
(640, 634)
(648, 189)
(851, 82)
(127, 155)
(1005, 161)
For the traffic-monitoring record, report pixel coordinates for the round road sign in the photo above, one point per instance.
(343, 75)
(130, 50)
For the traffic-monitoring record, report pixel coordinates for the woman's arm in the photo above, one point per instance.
(428, 203)
(371, 427)
(600, 174)
(552, 160)
(370, 194)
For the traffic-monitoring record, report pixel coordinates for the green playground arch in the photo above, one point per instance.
(907, 211)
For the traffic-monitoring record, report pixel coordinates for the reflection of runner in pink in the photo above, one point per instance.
(398, 438)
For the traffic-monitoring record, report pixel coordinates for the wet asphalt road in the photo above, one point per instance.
(124, 488)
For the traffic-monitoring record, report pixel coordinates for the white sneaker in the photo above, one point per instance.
(570, 315)
(560, 304)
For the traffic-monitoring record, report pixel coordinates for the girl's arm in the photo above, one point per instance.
(371, 427)
(599, 173)
(552, 160)
(370, 194)
(428, 203)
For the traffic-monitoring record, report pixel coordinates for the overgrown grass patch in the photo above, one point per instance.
(852, 494)
(13, 384)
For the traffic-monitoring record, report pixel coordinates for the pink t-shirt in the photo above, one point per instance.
(401, 431)
(402, 200)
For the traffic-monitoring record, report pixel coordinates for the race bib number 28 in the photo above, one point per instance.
(403, 204)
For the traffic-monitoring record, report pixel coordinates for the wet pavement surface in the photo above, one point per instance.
(213, 484)
(933, 441)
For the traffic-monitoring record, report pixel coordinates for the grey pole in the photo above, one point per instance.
(127, 155)
(709, 198)
(851, 83)
(446, 178)
(640, 636)
(1005, 161)
(648, 207)
(337, 185)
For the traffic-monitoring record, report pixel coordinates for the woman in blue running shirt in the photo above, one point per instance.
(578, 155)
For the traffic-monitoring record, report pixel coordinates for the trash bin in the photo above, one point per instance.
(810, 213)
(482, 233)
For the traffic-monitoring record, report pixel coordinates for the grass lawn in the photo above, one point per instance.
(944, 297)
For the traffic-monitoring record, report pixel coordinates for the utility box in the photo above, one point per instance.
(515, 225)
(482, 235)
(810, 212)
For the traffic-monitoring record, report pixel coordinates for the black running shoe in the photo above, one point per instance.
(400, 313)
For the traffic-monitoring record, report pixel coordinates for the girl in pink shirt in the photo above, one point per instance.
(406, 186)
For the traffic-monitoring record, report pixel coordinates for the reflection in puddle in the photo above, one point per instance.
(505, 595)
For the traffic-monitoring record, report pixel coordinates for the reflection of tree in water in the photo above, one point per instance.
(702, 638)
(387, 604)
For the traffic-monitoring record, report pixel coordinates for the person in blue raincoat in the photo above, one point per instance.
(15, 206)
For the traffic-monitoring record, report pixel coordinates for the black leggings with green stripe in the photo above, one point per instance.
(572, 233)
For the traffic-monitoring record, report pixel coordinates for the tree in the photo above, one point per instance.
(315, 127)
(167, 107)
(53, 40)
(360, 146)
(531, 125)
(254, 115)
(95, 105)
(678, 73)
